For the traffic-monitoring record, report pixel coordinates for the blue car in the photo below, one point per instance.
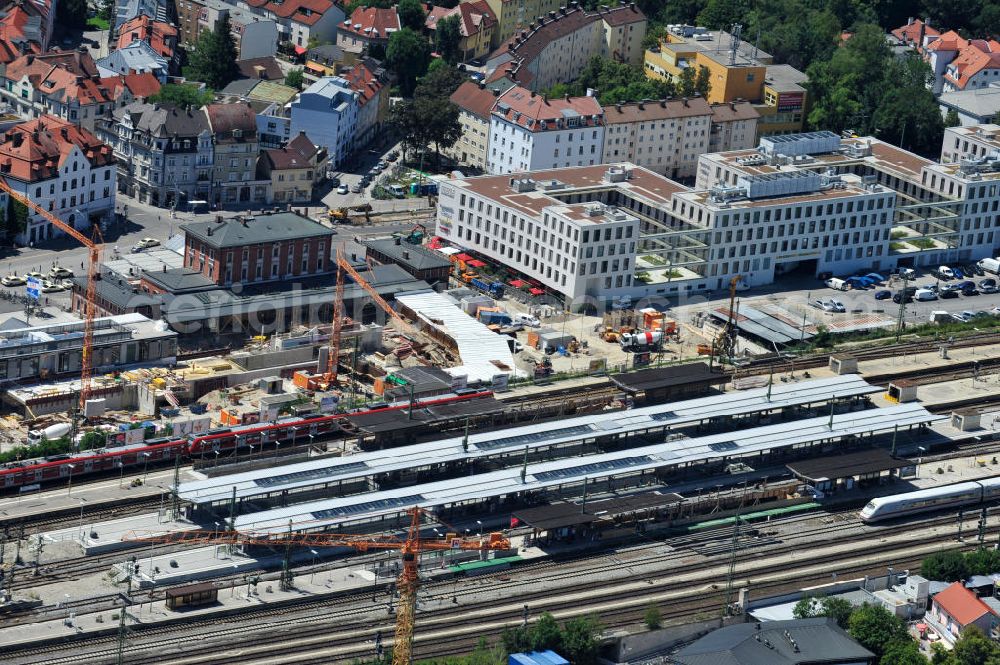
(958, 272)
(878, 279)
(884, 294)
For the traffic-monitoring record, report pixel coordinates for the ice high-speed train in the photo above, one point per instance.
(970, 493)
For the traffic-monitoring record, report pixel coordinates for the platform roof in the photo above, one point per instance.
(514, 439)
(547, 475)
(848, 465)
(664, 377)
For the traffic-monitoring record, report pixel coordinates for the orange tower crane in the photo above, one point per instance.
(93, 273)
(411, 548)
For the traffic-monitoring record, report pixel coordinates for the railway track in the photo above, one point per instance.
(596, 581)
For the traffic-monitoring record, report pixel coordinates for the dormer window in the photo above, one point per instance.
(238, 133)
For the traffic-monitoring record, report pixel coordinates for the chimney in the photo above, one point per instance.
(406, 255)
(567, 97)
(532, 94)
(684, 100)
(482, 84)
(663, 103)
(909, 21)
(642, 105)
(398, 240)
(30, 59)
(210, 229)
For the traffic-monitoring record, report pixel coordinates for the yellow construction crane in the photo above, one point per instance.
(94, 247)
(410, 547)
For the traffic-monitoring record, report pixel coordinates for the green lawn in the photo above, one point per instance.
(921, 243)
(97, 23)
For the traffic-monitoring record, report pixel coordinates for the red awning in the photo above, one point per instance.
(476, 263)
(463, 257)
(300, 50)
(516, 283)
(921, 627)
(435, 242)
(536, 292)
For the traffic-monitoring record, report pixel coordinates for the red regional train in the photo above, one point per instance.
(153, 451)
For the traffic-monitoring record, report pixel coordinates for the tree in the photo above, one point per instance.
(441, 81)
(836, 608)
(721, 14)
(447, 35)
(411, 15)
(652, 618)
(72, 13)
(408, 55)
(214, 57)
(16, 217)
(947, 566)
(703, 82)
(974, 648)
(951, 119)
(294, 78)
(875, 627)
(106, 10)
(903, 652)
(546, 634)
(579, 640)
(686, 87)
(908, 115)
(183, 95)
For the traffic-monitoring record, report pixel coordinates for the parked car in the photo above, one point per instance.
(50, 287)
(884, 294)
(392, 156)
(965, 316)
(908, 273)
(144, 244)
(13, 280)
(837, 305)
(944, 272)
(35, 275)
(356, 188)
(973, 269)
(947, 294)
(988, 285)
(924, 295)
(964, 284)
(970, 291)
(343, 189)
(58, 272)
(334, 181)
(823, 305)
(959, 274)
(876, 278)
(66, 284)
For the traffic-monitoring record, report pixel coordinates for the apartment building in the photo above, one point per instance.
(298, 21)
(367, 27)
(962, 64)
(160, 35)
(475, 105)
(235, 153)
(555, 48)
(476, 23)
(327, 111)
(61, 167)
(368, 79)
(294, 171)
(515, 15)
(738, 71)
(136, 58)
(255, 36)
(529, 132)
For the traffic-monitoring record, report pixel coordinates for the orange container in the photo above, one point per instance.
(533, 340)
(301, 379)
(379, 386)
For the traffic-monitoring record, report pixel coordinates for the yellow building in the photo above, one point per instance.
(476, 25)
(513, 15)
(294, 171)
(777, 92)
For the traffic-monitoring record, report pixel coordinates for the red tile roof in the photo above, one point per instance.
(363, 81)
(477, 101)
(372, 22)
(961, 604)
(527, 109)
(161, 36)
(35, 150)
(472, 17)
(949, 41)
(298, 154)
(306, 12)
(974, 58)
(62, 75)
(14, 39)
(141, 86)
(911, 33)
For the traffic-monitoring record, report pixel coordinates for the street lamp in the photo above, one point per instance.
(69, 486)
(82, 501)
(216, 457)
(313, 576)
(145, 467)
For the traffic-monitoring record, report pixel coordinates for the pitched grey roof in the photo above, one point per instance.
(138, 56)
(415, 256)
(812, 641)
(235, 232)
(165, 119)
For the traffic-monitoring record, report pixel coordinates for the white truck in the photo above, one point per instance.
(990, 266)
(641, 341)
(50, 433)
(837, 283)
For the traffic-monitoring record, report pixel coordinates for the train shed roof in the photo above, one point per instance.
(848, 465)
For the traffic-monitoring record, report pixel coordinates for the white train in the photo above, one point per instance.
(958, 495)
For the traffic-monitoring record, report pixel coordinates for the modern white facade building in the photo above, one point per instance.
(529, 132)
(327, 111)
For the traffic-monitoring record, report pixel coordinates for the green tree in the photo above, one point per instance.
(652, 618)
(441, 81)
(107, 9)
(407, 54)
(294, 78)
(183, 95)
(703, 82)
(836, 608)
(214, 57)
(16, 217)
(908, 114)
(951, 119)
(947, 566)
(982, 561)
(806, 608)
(721, 14)
(411, 15)
(875, 627)
(546, 634)
(974, 648)
(354, 4)
(91, 440)
(686, 87)
(579, 640)
(903, 652)
(72, 13)
(447, 35)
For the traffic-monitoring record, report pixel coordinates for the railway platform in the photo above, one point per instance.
(102, 496)
(107, 536)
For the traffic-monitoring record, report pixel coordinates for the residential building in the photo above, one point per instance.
(962, 64)
(299, 21)
(323, 60)
(514, 15)
(165, 154)
(955, 609)
(367, 78)
(476, 23)
(136, 58)
(294, 171)
(817, 641)
(979, 106)
(738, 71)
(734, 126)
(264, 68)
(62, 168)
(367, 27)
(529, 132)
(255, 36)
(475, 105)
(160, 35)
(916, 34)
(62, 83)
(126, 10)
(236, 149)
(23, 30)
(940, 52)
(665, 136)
(327, 111)
(131, 88)
(555, 48)
(277, 247)
(274, 127)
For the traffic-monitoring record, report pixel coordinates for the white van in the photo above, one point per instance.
(946, 273)
(837, 283)
(527, 320)
(990, 266)
(924, 295)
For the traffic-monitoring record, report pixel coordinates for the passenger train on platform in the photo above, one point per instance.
(297, 429)
(959, 495)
